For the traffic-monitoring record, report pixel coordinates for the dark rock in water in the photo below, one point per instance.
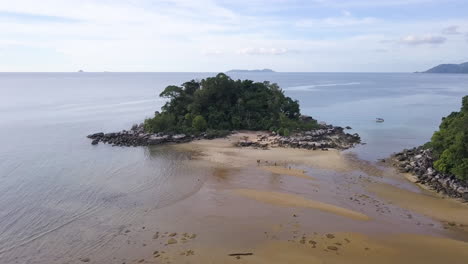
(137, 136)
(348, 127)
(96, 135)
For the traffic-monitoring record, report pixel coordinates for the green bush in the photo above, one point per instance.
(199, 123)
(450, 143)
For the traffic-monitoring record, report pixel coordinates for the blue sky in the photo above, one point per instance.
(218, 35)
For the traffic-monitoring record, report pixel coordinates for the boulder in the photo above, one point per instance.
(96, 135)
(465, 196)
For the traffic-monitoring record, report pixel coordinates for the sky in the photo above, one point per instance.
(219, 35)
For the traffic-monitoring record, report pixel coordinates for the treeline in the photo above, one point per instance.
(450, 143)
(223, 104)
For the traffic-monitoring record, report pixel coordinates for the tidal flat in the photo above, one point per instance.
(294, 206)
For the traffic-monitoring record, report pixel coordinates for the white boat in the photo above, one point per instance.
(379, 120)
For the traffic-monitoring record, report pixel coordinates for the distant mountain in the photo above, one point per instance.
(449, 68)
(236, 70)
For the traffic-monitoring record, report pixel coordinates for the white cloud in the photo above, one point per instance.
(422, 39)
(346, 13)
(212, 52)
(262, 51)
(346, 20)
(451, 30)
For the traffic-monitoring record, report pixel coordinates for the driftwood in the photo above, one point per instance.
(240, 254)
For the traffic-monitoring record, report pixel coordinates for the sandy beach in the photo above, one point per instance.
(295, 206)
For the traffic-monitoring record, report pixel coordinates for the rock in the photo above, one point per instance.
(85, 260)
(348, 127)
(179, 137)
(465, 196)
(330, 236)
(171, 241)
(95, 142)
(173, 234)
(332, 248)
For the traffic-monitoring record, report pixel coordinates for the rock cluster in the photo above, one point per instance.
(137, 136)
(419, 161)
(325, 137)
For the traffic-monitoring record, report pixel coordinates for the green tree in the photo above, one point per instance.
(450, 143)
(199, 123)
(226, 104)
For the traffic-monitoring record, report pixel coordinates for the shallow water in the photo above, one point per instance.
(54, 184)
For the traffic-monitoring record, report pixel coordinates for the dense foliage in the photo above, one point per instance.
(221, 103)
(450, 143)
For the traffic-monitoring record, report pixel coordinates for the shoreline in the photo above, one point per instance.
(294, 206)
(323, 137)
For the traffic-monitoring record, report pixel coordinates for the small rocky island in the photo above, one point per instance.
(442, 163)
(218, 106)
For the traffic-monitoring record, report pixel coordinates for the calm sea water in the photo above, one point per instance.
(54, 184)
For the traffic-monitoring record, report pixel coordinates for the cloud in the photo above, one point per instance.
(424, 39)
(346, 20)
(262, 51)
(381, 50)
(212, 52)
(371, 3)
(34, 18)
(452, 30)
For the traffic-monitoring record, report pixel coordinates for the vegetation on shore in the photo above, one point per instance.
(220, 103)
(450, 143)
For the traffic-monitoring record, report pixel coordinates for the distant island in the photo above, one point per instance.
(449, 68)
(243, 71)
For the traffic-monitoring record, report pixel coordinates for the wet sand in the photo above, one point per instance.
(312, 207)
(290, 200)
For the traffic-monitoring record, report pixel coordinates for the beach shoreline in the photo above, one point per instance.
(298, 205)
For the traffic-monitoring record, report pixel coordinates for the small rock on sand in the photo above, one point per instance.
(156, 236)
(171, 241)
(85, 260)
(173, 234)
(193, 236)
(332, 248)
(330, 236)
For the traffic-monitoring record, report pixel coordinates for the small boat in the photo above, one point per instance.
(379, 120)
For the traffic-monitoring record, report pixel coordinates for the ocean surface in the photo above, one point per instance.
(62, 197)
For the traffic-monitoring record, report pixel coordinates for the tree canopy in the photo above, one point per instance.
(450, 143)
(221, 103)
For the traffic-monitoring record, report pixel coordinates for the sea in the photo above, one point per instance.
(60, 196)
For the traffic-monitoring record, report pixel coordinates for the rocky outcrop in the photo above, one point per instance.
(419, 162)
(325, 137)
(138, 137)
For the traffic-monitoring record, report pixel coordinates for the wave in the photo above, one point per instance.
(313, 87)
